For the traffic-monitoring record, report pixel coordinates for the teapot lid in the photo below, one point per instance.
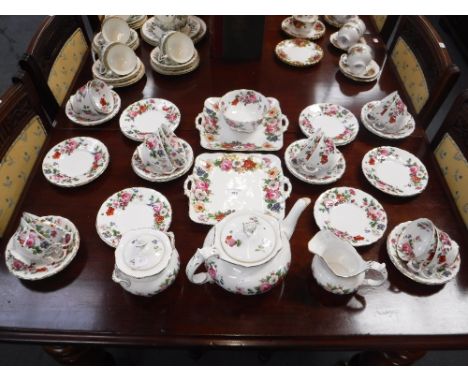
(143, 252)
(248, 238)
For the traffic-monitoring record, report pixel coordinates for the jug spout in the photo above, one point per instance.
(289, 223)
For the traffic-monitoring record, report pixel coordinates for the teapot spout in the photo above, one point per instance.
(289, 223)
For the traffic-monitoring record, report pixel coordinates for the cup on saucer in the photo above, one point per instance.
(119, 59)
(390, 115)
(93, 99)
(170, 22)
(115, 29)
(349, 34)
(358, 58)
(176, 47)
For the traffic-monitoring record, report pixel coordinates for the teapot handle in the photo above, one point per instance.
(199, 122)
(380, 269)
(198, 259)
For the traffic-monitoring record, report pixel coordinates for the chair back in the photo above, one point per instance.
(384, 25)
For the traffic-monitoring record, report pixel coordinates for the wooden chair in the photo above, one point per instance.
(384, 25)
(423, 66)
(23, 131)
(54, 58)
(450, 147)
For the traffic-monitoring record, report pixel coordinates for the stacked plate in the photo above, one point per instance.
(134, 21)
(173, 69)
(371, 73)
(99, 42)
(119, 81)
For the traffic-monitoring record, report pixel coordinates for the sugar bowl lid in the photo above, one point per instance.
(248, 238)
(143, 252)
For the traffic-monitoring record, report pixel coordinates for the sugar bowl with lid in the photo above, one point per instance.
(247, 252)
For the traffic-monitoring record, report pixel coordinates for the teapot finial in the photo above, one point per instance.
(290, 221)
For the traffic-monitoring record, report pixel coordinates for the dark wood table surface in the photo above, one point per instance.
(83, 305)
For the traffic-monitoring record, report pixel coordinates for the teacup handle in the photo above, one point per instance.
(199, 122)
(188, 185)
(286, 189)
(284, 123)
(380, 269)
(198, 259)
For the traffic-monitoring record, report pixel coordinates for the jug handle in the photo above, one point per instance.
(198, 259)
(380, 269)
(188, 185)
(199, 122)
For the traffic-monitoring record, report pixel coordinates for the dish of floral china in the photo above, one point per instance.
(33, 271)
(335, 121)
(295, 28)
(329, 177)
(132, 208)
(351, 214)
(75, 162)
(143, 117)
(93, 120)
(406, 131)
(395, 171)
(248, 252)
(222, 183)
(440, 276)
(371, 73)
(215, 134)
(299, 52)
(115, 80)
(146, 173)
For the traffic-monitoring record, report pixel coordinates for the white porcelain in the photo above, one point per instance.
(118, 81)
(92, 100)
(243, 110)
(215, 134)
(299, 52)
(359, 23)
(332, 174)
(146, 261)
(132, 208)
(338, 23)
(160, 63)
(370, 74)
(170, 22)
(146, 116)
(339, 268)
(348, 35)
(223, 183)
(75, 161)
(404, 132)
(438, 276)
(247, 252)
(390, 115)
(152, 33)
(445, 256)
(343, 18)
(295, 28)
(115, 29)
(93, 119)
(358, 58)
(119, 58)
(417, 241)
(177, 47)
(395, 171)
(351, 214)
(23, 269)
(99, 42)
(335, 121)
(308, 19)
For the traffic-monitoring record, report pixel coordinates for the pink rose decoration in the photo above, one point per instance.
(265, 287)
(157, 207)
(271, 128)
(125, 198)
(226, 165)
(272, 194)
(212, 272)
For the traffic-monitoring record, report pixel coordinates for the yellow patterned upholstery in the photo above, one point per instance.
(411, 74)
(454, 166)
(379, 21)
(66, 65)
(16, 166)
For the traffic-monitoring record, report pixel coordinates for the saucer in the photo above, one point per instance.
(395, 171)
(330, 20)
(317, 31)
(145, 173)
(33, 271)
(299, 52)
(437, 278)
(132, 42)
(195, 29)
(83, 121)
(145, 116)
(133, 21)
(331, 176)
(75, 162)
(336, 122)
(371, 74)
(119, 81)
(406, 131)
(334, 42)
(173, 69)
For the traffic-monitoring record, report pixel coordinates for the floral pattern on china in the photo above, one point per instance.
(351, 214)
(395, 171)
(224, 183)
(299, 52)
(132, 208)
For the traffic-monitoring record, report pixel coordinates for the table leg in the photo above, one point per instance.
(82, 355)
(384, 358)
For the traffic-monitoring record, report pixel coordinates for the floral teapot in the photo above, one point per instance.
(247, 252)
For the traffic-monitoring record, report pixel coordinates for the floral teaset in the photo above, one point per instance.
(242, 195)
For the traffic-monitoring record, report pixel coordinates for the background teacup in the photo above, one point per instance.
(390, 114)
(154, 155)
(359, 23)
(343, 18)
(174, 147)
(170, 22)
(119, 58)
(115, 29)
(358, 58)
(176, 47)
(349, 34)
(445, 255)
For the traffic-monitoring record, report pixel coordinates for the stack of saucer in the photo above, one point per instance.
(339, 20)
(309, 27)
(115, 29)
(176, 55)
(162, 156)
(155, 27)
(358, 64)
(41, 246)
(133, 21)
(92, 104)
(388, 118)
(315, 160)
(423, 252)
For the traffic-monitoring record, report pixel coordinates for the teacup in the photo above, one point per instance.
(359, 23)
(176, 47)
(318, 155)
(444, 256)
(154, 155)
(417, 243)
(101, 96)
(390, 114)
(47, 229)
(358, 58)
(308, 19)
(243, 110)
(349, 34)
(119, 58)
(170, 22)
(115, 29)
(173, 146)
(342, 19)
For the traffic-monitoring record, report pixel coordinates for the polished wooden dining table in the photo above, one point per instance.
(82, 307)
